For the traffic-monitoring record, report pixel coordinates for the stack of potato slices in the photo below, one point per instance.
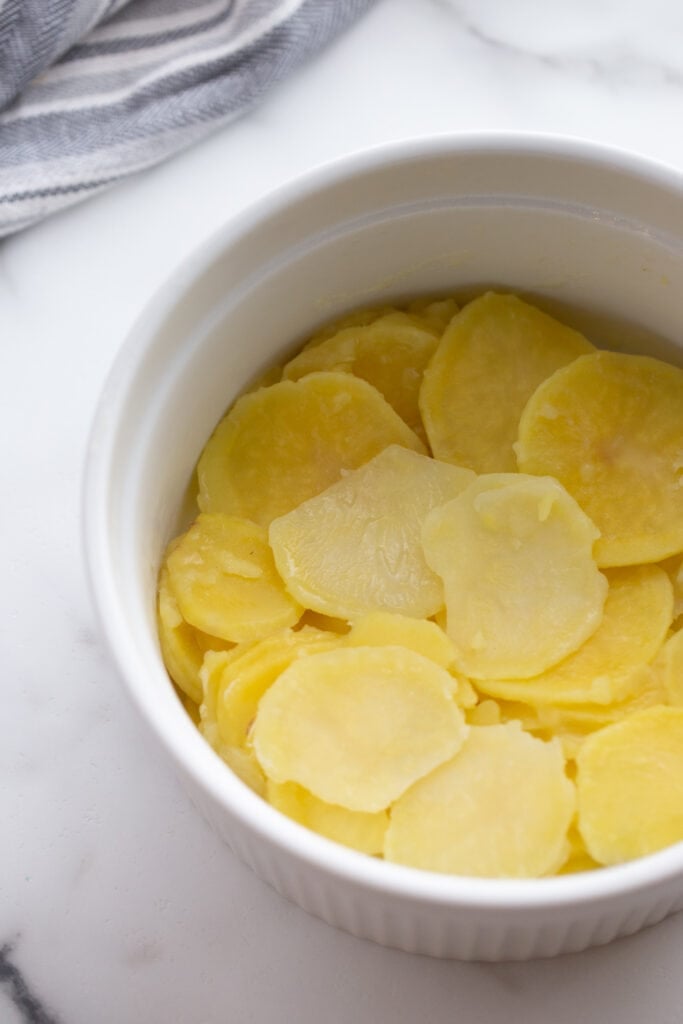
(431, 606)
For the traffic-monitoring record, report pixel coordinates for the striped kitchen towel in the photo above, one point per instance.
(92, 90)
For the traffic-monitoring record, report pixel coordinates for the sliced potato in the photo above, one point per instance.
(485, 712)
(342, 724)
(224, 579)
(356, 318)
(500, 808)
(356, 547)
(390, 353)
(522, 588)
(437, 313)
(491, 359)
(630, 786)
(245, 766)
(610, 428)
(379, 629)
(360, 830)
(182, 646)
(668, 669)
(244, 680)
(579, 859)
(286, 443)
(637, 615)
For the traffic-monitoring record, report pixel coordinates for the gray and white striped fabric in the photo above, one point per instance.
(93, 90)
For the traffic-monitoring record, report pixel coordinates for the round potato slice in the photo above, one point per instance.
(225, 582)
(357, 829)
(610, 428)
(356, 547)
(491, 359)
(579, 859)
(245, 680)
(500, 808)
(285, 443)
(357, 726)
(211, 675)
(245, 766)
(390, 353)
(522, 588)
(356, 318)
(636, 617)
(379, 629)
(668, 668)
(437, 313)
(182, 646)
(630, 786)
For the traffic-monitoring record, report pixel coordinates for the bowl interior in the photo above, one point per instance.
(593, 235)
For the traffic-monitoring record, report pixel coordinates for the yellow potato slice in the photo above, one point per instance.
(610, 428)
(674, 567)
(491, 359)
(500, 808)
(225, 582)
(360, 830)
(438, 313)
(356, 318)
(579, 859)
(630, 786)
(244, 680)
(522, 588)
(637, 615)
(342, 724)
(182, 646)
(245, 766)
(668, 669)
(379, 629)
(390, 353)
(286, 443)
(486, 712)
(356, 547)
(324, 622)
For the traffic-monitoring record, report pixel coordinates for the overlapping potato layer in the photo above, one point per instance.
(432, 605)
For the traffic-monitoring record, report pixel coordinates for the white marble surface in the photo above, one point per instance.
(117, 904)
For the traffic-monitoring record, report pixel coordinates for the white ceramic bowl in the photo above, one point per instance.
(594, 229)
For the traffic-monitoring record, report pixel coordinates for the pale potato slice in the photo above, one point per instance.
(522, 588)
(224, 579)
(360, 830)
(379, 629)
(491, 359)
(668, 669)
(342, 724)
(390, 353)
(500, 808)
(636, 617)
(244, 680)
(356, 547)
(286, 443)
(182, 646)
(630, 786)
(610, 428)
